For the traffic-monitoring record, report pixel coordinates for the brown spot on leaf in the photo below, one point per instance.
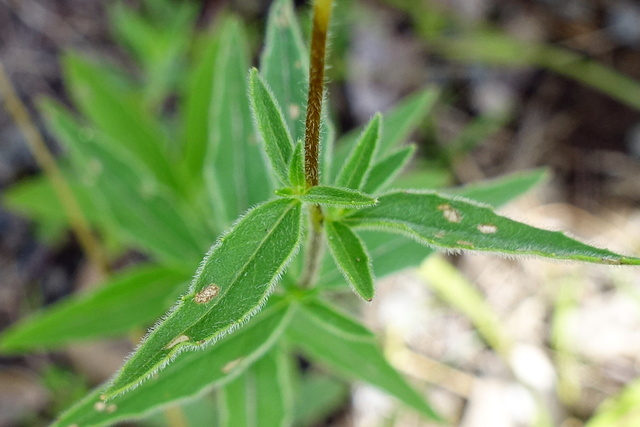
(174, 342)
(450, 214)
(487, 228)
(207, 294)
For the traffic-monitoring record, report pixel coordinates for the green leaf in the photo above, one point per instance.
(196, 110)
(133, 298)
(270, 121)
(236, 175)
(394, 253)
(189, 376)
(387, 168)
(331, 338)
(318, 397)
(261, 397)
(453, 223)
(334, 196)
(296, 168)
(232, 284)
(158, 44)
(119, 115)
(127, 197)
(499, 191)
(355, 170)
(351, 257)
(284, 65)
(397, 124)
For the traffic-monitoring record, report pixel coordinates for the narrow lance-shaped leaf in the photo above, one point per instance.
(397, 123)
(262, 396)
(355, 170)
(137, 207)
(393, 253)
(458, 224)
(284, 65)
(273, 130)
(195, 112)
(130, 299)
(334, 196)
(116, 112)
(351, 257)
(233, 282)
(346, 346)
(385, 170)
(236, 174)
(191, 375)
(296, 168)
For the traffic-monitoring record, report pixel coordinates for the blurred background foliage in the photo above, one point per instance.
(524, 83)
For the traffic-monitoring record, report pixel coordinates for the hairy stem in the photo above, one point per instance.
(47, 163)
(321, 17)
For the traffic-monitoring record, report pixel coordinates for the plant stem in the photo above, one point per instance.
(321, 17)
(47, 163)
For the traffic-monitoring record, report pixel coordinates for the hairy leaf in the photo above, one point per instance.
(387, 168)
(133, 298)
(453, 223)
(284, 65)
(346, 346)
(397, 124)
(190, 375)
(296, 168)
(271, 125)
(261, 397)
(235, 175)
(355, 169)
(334, 196)
(233, 282)
(351, 257)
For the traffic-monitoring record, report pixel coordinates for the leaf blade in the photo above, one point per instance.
(232, 284)
(387, 168)
(271, 126)
(261, 396)
(349, 348)
(355, 169)
(351, 257)
(192, 375)
(284, 64)
(335, 196)
(458, 224)
(238, 177)
(127, 300)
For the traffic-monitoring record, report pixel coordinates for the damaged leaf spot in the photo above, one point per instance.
(174, 342)
(465, 243)
(439, 234)
(100, 406)
(450, 214)
(207, 294)
(487, 228)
